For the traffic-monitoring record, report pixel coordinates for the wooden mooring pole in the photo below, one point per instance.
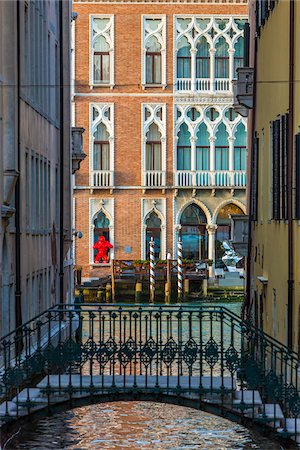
(152, 272)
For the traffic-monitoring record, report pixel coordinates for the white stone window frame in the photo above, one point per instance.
(109, 123)
(96, 205)
(110, 39)
(159, 207)
(212, 128)
(212, 43)
(161, 123)
(162, 38)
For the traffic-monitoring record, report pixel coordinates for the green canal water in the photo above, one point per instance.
(138, 425)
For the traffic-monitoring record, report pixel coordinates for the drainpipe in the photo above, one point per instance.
(61, 144)
(290, 177)
(247, 308)
(18, 307)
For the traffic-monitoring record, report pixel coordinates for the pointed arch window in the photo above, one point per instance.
(238, 54)
(202, 59)
(153, 230)
(202, 148)
(184, 148)
(222, 148)
(240, 148)
(101, 153)
(153, 148)
(184, 58)
(101, 228)
(102, 49)
(153, 61)
(222, 59)
(101, 60)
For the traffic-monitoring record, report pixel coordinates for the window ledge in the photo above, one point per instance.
(150, 85)
(94, 265)
(102, 85)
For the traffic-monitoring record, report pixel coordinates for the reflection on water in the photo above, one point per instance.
(136, 425)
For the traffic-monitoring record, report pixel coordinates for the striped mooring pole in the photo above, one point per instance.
(152, 273)
(179, 268)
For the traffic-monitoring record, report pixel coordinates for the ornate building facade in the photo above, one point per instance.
(166, 151)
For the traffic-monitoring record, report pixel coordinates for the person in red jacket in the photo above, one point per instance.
(102, 246)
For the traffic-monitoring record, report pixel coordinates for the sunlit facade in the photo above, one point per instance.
(166, 151)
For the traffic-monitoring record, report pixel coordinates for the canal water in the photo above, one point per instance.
(138, 425)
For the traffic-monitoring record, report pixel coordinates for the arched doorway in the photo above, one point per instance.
(153, 229)
(224, 227)
(194, 233)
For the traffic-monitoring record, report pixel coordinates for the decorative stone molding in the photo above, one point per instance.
(224, 203)
(158, 206)
(160, 34)
(104, 114)
(106, 205)
(108, 34)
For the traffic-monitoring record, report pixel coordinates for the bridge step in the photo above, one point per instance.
(248, 398)
(291, 429)
(164, 382)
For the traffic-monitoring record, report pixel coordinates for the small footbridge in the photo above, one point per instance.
(203, 357)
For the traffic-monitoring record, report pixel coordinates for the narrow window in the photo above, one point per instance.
(184, 59)
(297, 177)
(222, 59)
(153, 148)
(184, 149)
(202, 59)
(238, 55)
(222, 148)
(240, 148)
(153, 61)
(101, 61)
(202, 148)
(101, 148)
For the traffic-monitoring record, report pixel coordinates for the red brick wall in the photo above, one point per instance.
(127, 119)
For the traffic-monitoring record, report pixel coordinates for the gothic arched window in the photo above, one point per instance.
(222, 59)
(101, 148)
(153, 148)
(101, 60)
(184, 148)
(238, 54)
(222, 148)
(202, 148)
(153, 230)
(202, 59)
(240, 148)
(101, 227)
(153, 61)
(184, 58)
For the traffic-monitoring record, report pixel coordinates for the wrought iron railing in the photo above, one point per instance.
(205, 352)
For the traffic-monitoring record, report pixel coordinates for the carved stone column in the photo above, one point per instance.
(211, 229)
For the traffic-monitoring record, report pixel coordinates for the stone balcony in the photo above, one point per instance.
(210, 179)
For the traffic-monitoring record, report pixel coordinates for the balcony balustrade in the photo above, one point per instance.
(210, 179)
(203, 85)
(102, 178)
(154, 178)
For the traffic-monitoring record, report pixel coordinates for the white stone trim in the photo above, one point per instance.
(160, 34)
(224, 203)
(102, 108)
(212, 127)
(95, 206)
(159, 206)
(108, 34)
(212, 41)
(153, 109)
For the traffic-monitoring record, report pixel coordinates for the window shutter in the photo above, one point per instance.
(284, 165)
(255, 158)
(246, 44)
(276, 170)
